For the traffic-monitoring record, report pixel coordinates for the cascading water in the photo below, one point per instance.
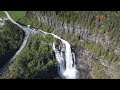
(69, 70)
(66, 66)
(60, 60)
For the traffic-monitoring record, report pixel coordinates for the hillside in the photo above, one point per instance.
(94, 37)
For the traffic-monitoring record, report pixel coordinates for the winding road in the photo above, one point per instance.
(27, 32)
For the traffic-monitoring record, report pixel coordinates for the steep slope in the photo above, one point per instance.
(36, 61)
(11, 38)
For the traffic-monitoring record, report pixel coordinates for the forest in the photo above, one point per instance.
(37, 59)
(98, 22)
(11, 38)
(104, 24)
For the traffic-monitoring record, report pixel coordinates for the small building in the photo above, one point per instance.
(1, 19)
(28, 26)
(1, 25)
(35, 29)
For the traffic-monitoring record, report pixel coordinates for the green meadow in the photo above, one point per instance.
(16, 15)
(2, 14)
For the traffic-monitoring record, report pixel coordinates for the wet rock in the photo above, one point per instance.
(83, 65)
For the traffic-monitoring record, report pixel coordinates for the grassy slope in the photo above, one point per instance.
(16, 15)
(2, 14)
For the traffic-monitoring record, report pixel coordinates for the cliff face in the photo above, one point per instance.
(90, 63)
(77, 30)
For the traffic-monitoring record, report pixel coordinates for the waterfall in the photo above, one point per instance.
(66, 66)
(69, 70)
(60, 60)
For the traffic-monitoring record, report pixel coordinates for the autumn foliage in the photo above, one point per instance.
(101, 17)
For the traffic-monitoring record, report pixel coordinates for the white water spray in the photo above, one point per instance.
(69, 72)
